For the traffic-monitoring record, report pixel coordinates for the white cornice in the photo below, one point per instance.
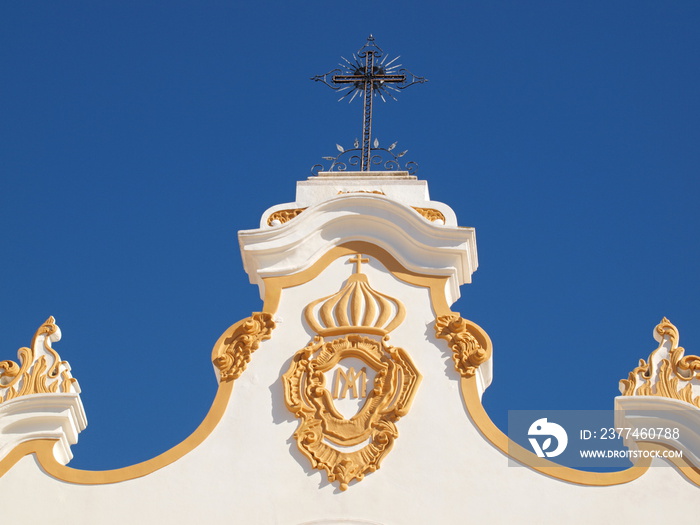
(42, 416)
(418, 244)
(662, 416)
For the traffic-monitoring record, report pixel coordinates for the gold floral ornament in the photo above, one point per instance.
(233, 358)
(349, 392)
(467, 352)
(668, 373)
(40, 369)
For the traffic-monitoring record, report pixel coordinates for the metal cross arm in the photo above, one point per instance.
(351, 79)
(369, 75)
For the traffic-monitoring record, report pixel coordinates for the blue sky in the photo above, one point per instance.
(136, 138)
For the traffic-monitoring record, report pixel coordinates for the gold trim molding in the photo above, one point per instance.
(36, 374)
(435, 283)
(233, 358)
(43, 448)
(453, 328)
(471, 397)
(667, 370)
(467, 352)
(477, 413)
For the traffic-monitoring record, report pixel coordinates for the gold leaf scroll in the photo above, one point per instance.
(431, 214)
(234, 357)
(467, 352)
(666, 372)
(284, 215)
(35, 374)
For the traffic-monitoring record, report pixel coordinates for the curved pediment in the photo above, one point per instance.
(420, 245)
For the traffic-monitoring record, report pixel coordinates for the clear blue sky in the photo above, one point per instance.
(136, 138)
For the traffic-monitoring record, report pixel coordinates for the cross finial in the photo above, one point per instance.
(358, 259)
(369, 75)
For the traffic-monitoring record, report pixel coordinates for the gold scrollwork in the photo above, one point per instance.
(284, 215)
(467, 352)
(663, 375)
(324, 434)
(431, 214)
(36, 374)
(233, 358)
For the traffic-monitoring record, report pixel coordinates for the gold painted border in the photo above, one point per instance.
(435, 284)
(43, 448)
(488, 429)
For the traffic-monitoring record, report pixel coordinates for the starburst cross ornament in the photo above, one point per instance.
(368, 74)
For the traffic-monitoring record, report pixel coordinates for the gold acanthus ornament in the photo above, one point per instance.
(668, 373)
(232, 359)
(467, 352)
(40, 369)
(383, 385)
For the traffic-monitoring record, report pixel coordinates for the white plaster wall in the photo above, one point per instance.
(249, 470)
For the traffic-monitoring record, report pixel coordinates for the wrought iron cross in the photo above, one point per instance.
(368, 75)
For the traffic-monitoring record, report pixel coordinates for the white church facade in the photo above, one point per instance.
(353, 396)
